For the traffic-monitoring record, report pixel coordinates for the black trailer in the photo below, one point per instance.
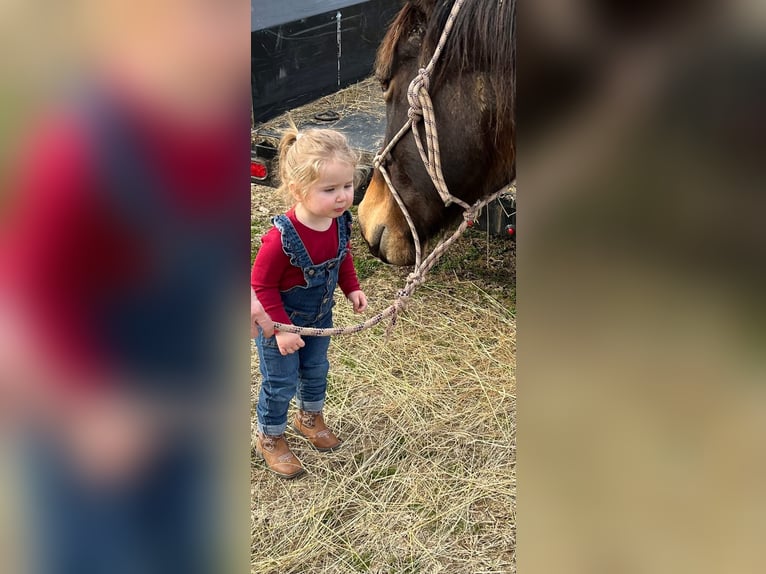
(304, 49)
(310, 59)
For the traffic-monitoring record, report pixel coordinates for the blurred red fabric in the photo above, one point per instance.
(64, 244)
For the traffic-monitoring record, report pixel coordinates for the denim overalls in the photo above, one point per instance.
(302, 374)
(160, 330)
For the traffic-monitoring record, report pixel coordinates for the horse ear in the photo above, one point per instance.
(405, 31)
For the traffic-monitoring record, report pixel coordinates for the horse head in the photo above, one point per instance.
(473, 93)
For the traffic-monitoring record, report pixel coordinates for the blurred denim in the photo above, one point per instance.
(158, 524)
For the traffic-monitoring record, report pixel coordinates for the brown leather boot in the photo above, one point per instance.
(278, 457)
(312, 427)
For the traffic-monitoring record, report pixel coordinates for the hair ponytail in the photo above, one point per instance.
(289, 137)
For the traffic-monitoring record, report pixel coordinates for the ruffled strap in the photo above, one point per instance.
(292, 245)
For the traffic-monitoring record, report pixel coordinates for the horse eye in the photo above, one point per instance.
(385, 86)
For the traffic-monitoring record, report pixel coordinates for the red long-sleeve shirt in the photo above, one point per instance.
(65, 246)
(273, 272)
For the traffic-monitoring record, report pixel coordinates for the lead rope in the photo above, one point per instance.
(416, 278)
(421, 108)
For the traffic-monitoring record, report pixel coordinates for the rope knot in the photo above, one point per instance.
(414, 279)
(470, 214)
(420, 82)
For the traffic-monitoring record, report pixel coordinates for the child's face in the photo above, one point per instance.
(332, 193)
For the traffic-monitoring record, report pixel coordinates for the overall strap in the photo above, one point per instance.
(129, 179)
(150, 331)
(344, 233)
(292, 244)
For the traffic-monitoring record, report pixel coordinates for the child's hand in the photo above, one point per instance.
(259, 318)
(288, 343)
(111, 438)
(359, 300)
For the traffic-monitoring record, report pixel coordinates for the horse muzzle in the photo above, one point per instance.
(383, 226)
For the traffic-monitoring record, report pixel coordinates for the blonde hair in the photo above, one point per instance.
(302, 155)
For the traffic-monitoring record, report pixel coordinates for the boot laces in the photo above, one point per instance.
(309, 418)
(270, 442)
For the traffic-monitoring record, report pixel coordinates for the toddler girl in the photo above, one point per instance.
(301, 260)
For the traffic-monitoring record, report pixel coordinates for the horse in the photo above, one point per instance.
(473, 93)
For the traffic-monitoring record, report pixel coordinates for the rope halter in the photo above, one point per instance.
(420, 109)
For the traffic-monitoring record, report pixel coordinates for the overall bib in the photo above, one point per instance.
(303, 374)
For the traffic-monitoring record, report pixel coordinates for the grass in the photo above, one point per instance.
(425, 480)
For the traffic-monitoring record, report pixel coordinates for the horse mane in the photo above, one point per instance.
(482, 41)
(482, 37)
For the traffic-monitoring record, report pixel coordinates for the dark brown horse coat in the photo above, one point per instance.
(473, 92)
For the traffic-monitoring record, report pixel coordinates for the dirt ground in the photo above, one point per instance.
(425, 480)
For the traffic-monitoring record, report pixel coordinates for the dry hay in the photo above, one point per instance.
(425, 480)
(362, 97)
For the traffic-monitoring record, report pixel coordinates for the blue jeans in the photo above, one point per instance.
(161, 522)
(302, 375)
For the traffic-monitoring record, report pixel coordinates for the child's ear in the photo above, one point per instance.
(294, 191)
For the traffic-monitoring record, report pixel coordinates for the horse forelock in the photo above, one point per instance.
(403, 24)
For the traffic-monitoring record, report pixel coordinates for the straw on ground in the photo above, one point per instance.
(425, 480)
